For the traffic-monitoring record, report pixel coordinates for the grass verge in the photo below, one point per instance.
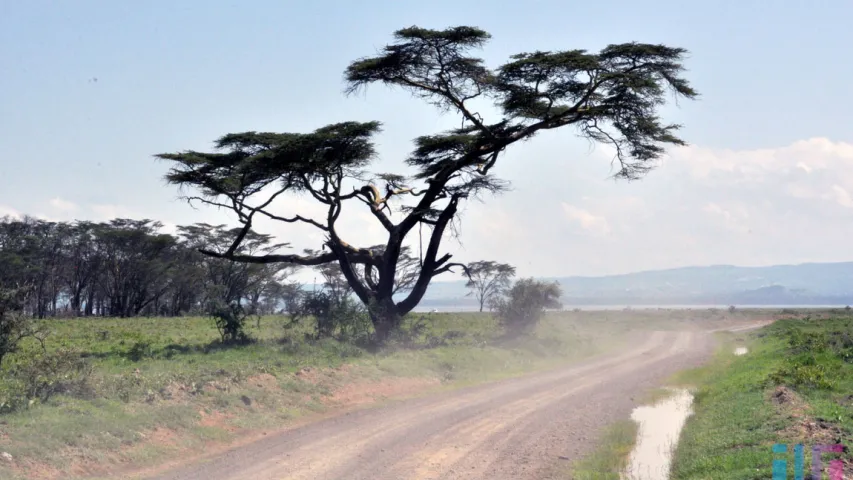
(793, 386)
(610, 458)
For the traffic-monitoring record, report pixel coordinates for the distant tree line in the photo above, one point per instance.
(125, 268)
(128, 268)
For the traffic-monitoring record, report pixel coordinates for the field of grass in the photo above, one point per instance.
(162, 386)
(795, 385)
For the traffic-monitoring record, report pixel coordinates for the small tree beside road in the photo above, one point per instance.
(488, 279)
(520, 310)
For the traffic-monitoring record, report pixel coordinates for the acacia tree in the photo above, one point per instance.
(136, 261)
(487, 279)
(609, 97)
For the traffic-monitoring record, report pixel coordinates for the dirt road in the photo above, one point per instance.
(515, 429)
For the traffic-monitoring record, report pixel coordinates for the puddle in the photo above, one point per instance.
(741, 351)
(660, 426)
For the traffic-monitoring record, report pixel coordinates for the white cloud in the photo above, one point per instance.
(105, 212)
(592, 223)
(813, 156)
(734, 217)
(804, 167)
(62, 205)
(841, 196)
(9, 211)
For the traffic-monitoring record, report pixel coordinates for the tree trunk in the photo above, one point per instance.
(385, 318)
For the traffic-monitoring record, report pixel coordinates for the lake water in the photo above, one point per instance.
(474, 308)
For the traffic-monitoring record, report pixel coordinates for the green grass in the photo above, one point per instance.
(736, 422)
(610, 458)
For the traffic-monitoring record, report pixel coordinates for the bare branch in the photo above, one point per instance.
(448, 268)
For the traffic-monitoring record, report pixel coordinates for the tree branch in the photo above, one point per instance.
(447, 268)
(273, 258)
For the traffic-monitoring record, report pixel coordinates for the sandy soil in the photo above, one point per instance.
(515, 429)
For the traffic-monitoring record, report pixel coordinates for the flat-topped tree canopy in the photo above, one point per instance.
(249, 161)
(610, 97)
(619, 87)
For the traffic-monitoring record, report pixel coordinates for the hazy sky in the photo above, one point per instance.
(90, 90)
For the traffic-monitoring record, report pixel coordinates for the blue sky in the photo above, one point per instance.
(90, 90)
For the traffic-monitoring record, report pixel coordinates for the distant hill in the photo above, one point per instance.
(805, 284)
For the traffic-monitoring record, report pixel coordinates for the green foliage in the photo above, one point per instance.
(129, 268)
(334, 315)
(37, 376)
(841, 343)
(15, 326)
(256, 159)
(813, 356)
(138, 351)
(804, 342)
(609, 460)
(804, 372)
(523, 305)
(230, 320)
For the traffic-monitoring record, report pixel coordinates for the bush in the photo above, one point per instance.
(813, 357)
(523, 305)
(841, 343)
(412, 329)
(334, 315)
(39, 376)
(806, 342)
(230, 319)
(803, 373)
(14, 325)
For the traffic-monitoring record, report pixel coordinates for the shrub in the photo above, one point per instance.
(813, 357)
(334, 315)
(841, 343)
(48, 374)
(139, 350)
(230, 319)
(412, 329)
(523, 305)
(806, 342)
(803, 374)
(38, 376)
(14, 325)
